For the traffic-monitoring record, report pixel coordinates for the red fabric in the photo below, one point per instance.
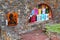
(33, 18)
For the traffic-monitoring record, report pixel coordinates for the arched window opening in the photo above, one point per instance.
(41, 13)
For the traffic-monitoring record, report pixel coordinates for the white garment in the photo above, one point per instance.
(38, 18)
(47, 17)
(43, 10)
(30, 16)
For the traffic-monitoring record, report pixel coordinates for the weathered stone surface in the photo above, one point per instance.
(24, 6)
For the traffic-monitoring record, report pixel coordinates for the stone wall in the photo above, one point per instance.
(25, 7)
(54, 4)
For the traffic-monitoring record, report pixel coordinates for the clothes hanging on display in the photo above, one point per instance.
(43, 10)
(47, 10)
(33, 18)
(39, 11)
(36, 11)
(47, 16)
(32, 13)
(43, 17)
(38, 18)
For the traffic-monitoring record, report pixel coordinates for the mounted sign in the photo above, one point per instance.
(12, 19)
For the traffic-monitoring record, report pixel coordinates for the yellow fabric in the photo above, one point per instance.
(39, 11)
(46, 7)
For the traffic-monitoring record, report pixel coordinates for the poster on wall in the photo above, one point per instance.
(12, 19)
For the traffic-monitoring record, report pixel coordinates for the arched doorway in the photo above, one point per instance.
(42, 12)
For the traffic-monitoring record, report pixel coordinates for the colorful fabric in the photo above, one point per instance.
(47, 17)
(43, 17)
(33, 18)
(43, 10)
(47, 11)
(39, 11)
(36, 11)
(38, 18)
(32, 13)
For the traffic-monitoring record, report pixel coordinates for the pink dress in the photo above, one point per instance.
(36, 11)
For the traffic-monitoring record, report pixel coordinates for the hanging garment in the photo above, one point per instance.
(39, 11)
(33, 18)
(43, 11)
(36, 11)
(12, 19)
(32, 12)
(47, 16)
(43, 17)
(47, 10)
(38, 18)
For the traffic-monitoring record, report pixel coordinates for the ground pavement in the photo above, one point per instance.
(37, 35)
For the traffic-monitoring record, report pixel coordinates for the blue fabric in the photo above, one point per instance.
(32, 13)
(43, 17)
(47, 17)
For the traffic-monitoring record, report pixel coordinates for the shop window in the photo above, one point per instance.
(41, 13)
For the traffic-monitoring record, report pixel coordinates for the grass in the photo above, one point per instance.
(53, 28)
